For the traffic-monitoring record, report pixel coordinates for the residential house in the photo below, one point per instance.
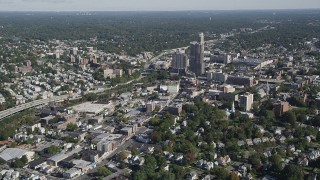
(72, 173)
(136, 160)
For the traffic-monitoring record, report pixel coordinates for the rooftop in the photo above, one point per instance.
(13, 153)
(58, 157)
(90, 108)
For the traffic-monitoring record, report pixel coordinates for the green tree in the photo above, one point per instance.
(154, 121)
(90, 97)
(18, 164)
(150, 166)
(135, 151)
(29, 141)
(2, 161)
(290, 117)
(292, 172)
(165, 175)
(65, 88)
(53, 149)
(123, 155)
(161, 161)
(221, 173)
(13, 145)
(315, 121)
(140, 175)
(276, 162)
(99, 75)
(103, 171)
(72, 127)
(24, 159)
(255, 160)
(81, 82)
(179, 171)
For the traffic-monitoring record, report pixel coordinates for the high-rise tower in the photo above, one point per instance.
(201, 39)
(197, 56)
(179, 61)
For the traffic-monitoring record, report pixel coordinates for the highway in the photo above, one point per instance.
(16, 109)
(8, 112)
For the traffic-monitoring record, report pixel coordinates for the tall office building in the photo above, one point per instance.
(246, 101)
(280, 108)
(179, 61)
(197, 56)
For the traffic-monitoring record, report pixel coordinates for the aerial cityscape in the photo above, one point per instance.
(138, 91)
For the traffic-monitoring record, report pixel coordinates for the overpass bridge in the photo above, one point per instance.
(19, 108)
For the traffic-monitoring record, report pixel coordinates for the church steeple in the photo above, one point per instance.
(233, 110)
(268, 89)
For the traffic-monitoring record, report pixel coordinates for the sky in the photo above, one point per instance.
(153, 5)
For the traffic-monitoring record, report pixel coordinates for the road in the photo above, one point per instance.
(116, 174)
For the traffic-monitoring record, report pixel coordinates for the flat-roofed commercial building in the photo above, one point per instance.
(91, 108)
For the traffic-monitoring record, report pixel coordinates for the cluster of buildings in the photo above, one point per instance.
(68, 142)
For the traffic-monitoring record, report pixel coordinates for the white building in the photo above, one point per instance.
(72, 173)
(10, 154)
(246, 101)
(173, 86)
(105, 146)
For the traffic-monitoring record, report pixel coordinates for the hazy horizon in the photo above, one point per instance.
(146, 5)
(186, 10)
